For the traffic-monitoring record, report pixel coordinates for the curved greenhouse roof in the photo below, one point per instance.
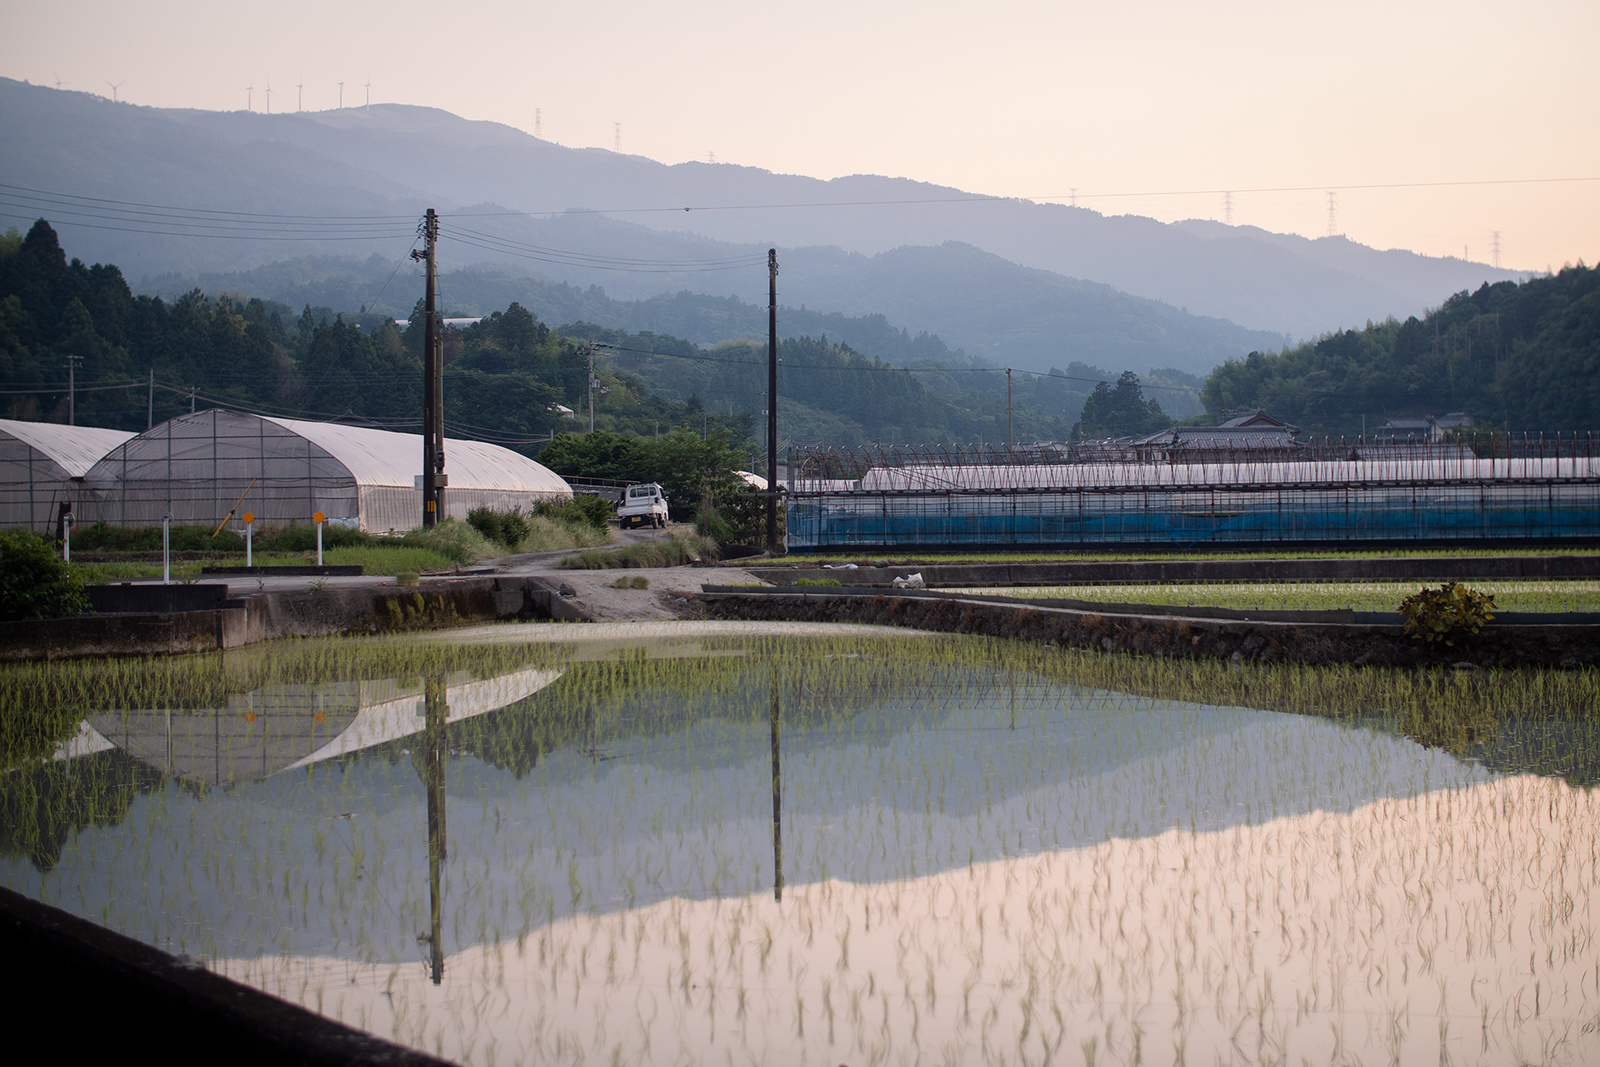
(196, 467)
(42, 464)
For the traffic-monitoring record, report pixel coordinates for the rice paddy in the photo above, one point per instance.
(834, 845)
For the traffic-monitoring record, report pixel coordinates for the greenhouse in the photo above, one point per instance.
(42, 465)
(1544, 489)
(198, 467)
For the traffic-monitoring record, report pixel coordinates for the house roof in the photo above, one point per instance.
(1257, 419)
(1221, 437)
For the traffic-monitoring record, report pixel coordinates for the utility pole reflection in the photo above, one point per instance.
(434, 745)
(777, 795)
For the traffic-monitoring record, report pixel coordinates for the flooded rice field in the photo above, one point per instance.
(834, 847)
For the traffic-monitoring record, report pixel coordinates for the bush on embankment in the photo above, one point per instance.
(34, 582)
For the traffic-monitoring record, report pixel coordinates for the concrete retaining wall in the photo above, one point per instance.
(227, 622)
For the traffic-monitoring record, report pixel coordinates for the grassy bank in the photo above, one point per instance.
(1553, 596)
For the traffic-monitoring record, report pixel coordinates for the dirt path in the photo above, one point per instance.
(665, 596)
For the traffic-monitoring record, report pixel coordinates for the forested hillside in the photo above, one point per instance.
(955, 296)
(1523, 356)
(142, 358)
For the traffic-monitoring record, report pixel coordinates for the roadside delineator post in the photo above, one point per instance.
(319, 518)
(249, 528)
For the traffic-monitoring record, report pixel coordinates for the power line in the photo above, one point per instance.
(505, 246)
(202, 211)
(976, 198)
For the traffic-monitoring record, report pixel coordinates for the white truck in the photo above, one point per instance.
(643, 505)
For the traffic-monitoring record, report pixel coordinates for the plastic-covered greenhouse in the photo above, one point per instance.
(1534, 489)
(43, 464)
(197, 467)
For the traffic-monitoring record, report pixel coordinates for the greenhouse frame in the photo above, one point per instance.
(43, 465)
(196, 468)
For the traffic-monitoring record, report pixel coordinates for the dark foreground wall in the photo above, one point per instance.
(1361, 644)
(93, 996)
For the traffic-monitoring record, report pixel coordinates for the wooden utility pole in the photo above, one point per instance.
(432, 380)
(772, 400)
(588, 352)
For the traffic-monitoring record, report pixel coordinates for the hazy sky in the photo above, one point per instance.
(1149, 108)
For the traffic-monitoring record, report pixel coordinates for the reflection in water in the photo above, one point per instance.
(1451, 927)
(436, 741)
(289, 727)
(777, 793)
(966, 863)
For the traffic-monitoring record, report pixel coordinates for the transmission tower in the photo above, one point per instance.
(1227, 209)
(1494, 247)
(1333, 216)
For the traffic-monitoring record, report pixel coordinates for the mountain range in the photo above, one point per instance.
(186, 196)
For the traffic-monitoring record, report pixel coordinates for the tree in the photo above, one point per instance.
(1121, 411)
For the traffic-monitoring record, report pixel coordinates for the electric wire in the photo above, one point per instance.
(602, 263)
(743, 260)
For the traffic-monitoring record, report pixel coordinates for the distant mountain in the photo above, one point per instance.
(296, 170)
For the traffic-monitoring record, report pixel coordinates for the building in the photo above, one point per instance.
(1252, 436)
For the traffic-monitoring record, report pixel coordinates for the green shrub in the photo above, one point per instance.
(183, 538)
(709, 520)
(507, 528)
(456, 541)
(583, 508)
(34, 582)
(1446, 614)
(297, 538)
(817, 581)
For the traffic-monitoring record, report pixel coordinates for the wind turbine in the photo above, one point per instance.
(369, 90)
(115, 86)
(341, 96)
(58, 79)
(249, 96)
(269, 96)
(300, 96)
